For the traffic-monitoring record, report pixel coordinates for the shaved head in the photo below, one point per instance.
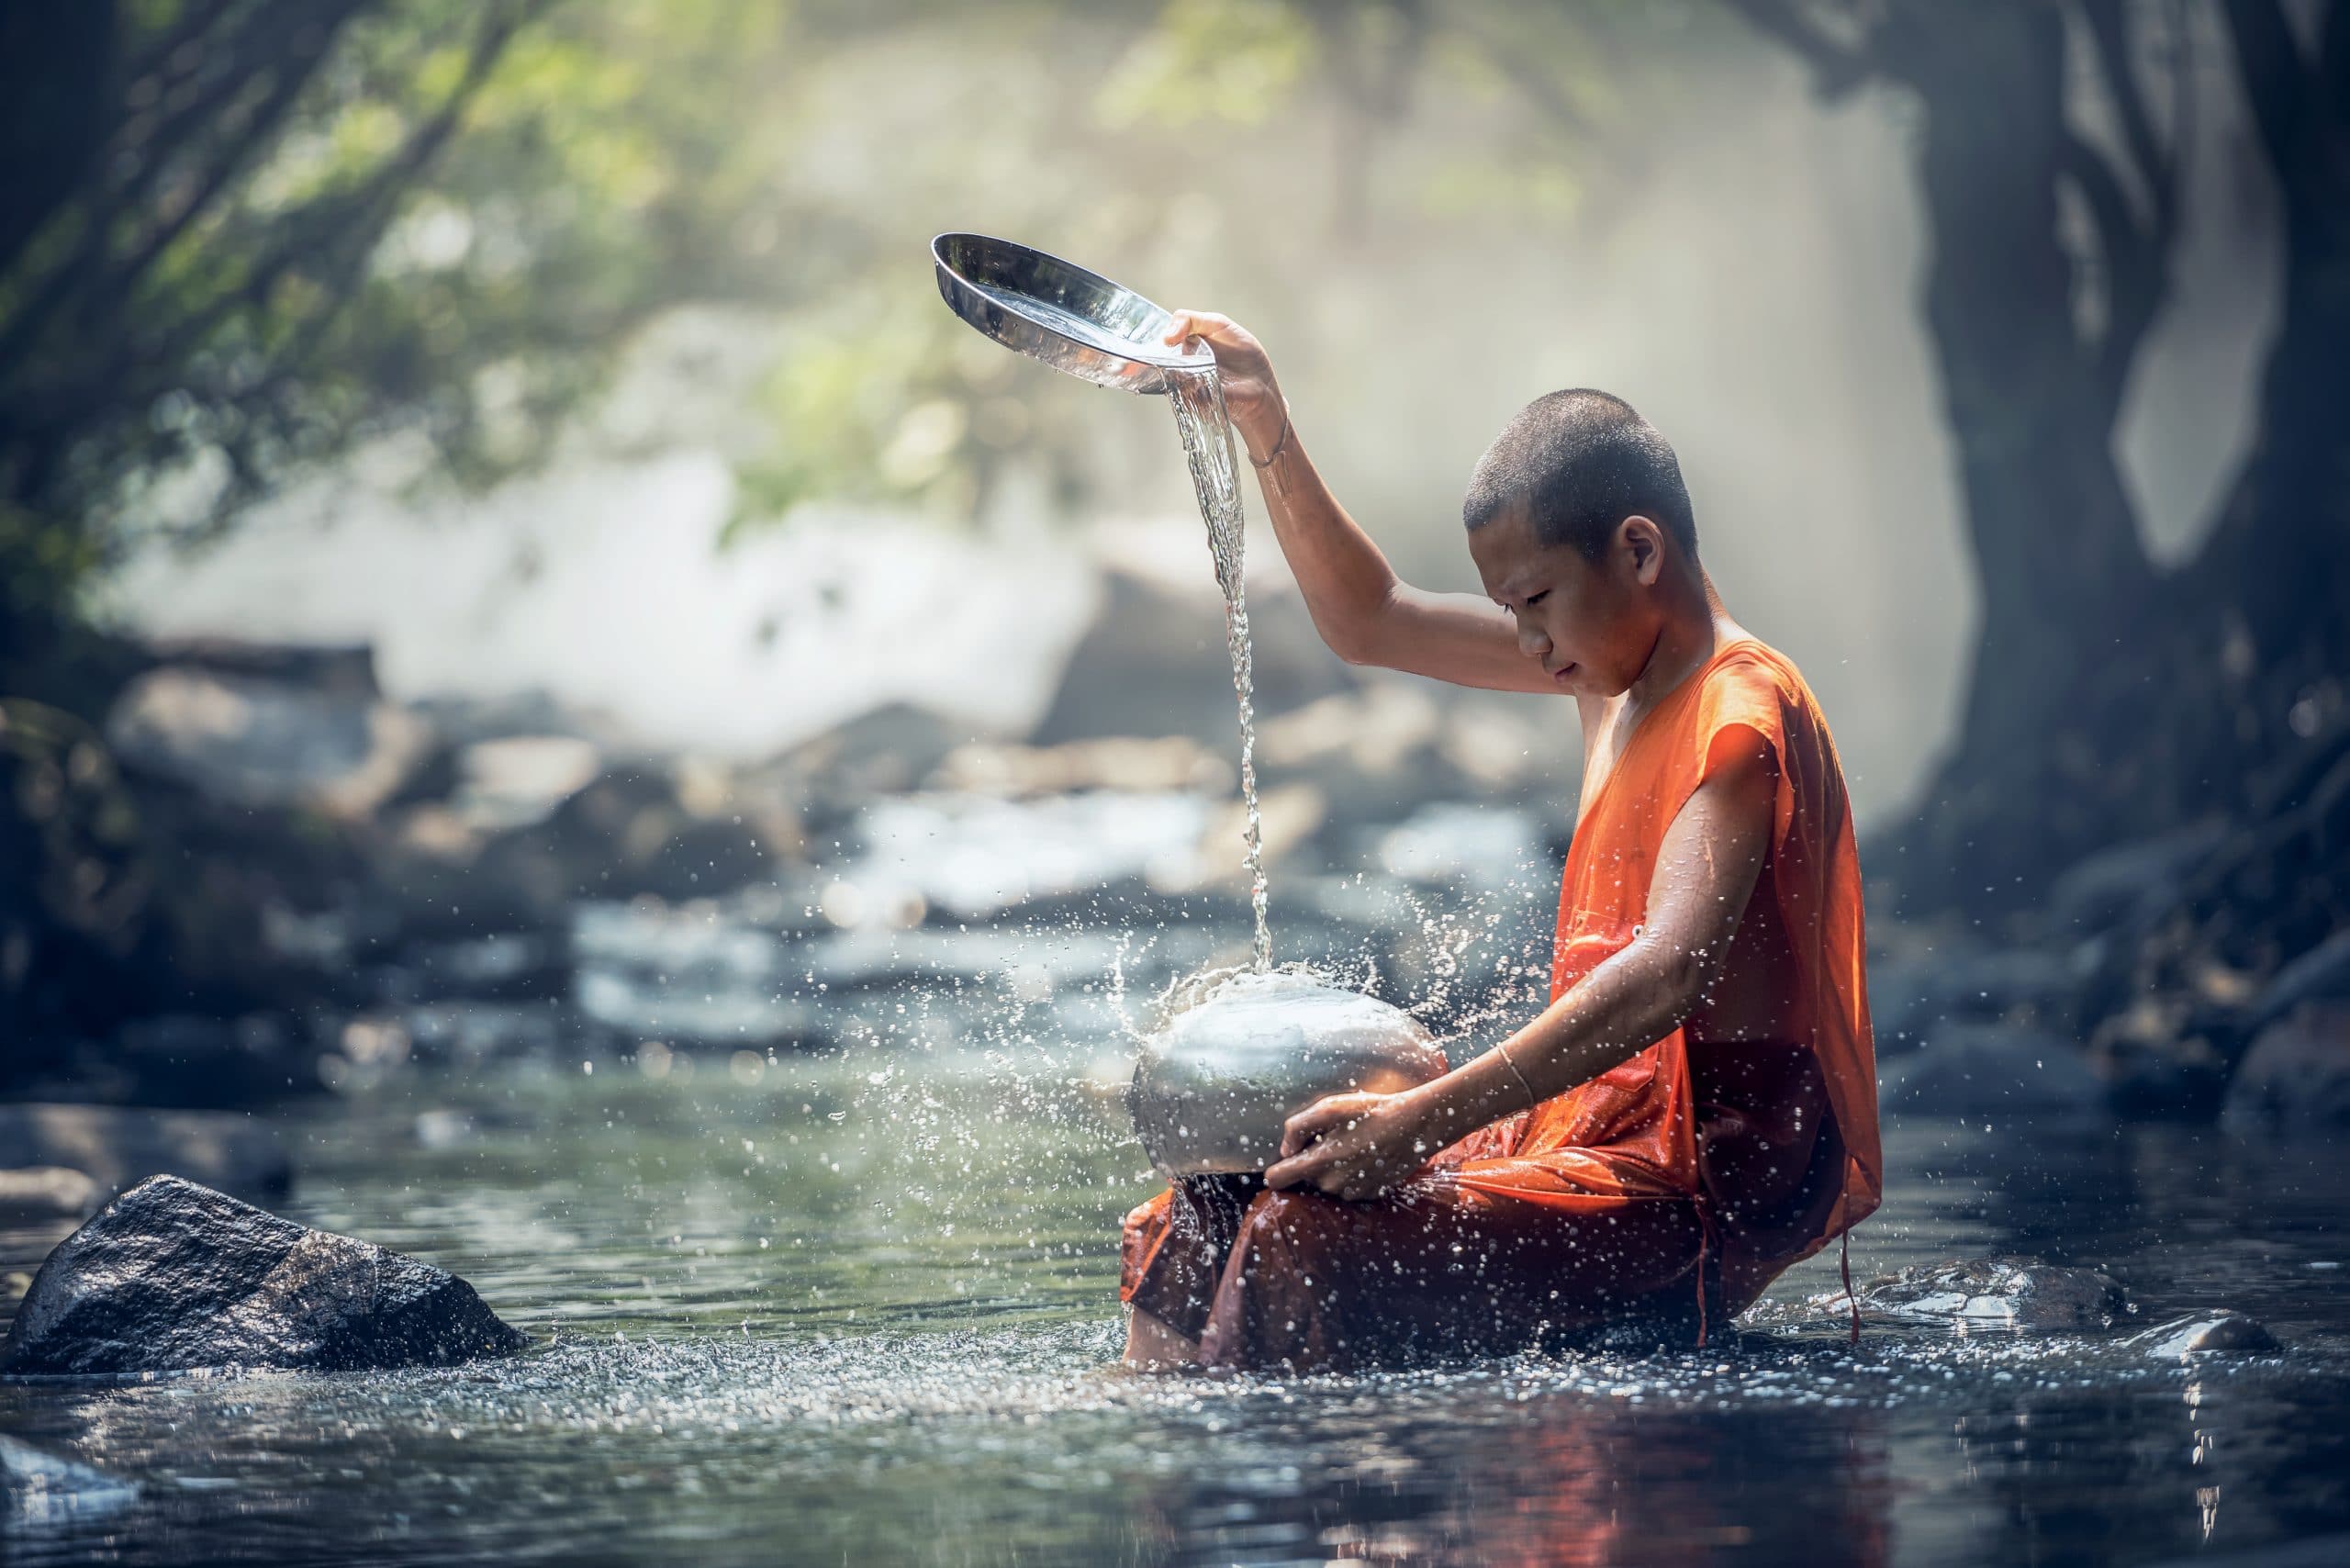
(1581, 462)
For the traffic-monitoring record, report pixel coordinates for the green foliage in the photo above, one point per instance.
(305, 224)
(1235, 61)
(292, 226)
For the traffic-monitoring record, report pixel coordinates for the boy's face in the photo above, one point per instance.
(1591, 624)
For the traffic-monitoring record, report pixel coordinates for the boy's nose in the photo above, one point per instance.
(1532, 641)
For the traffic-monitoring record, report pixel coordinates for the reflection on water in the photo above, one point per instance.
(859, 1309)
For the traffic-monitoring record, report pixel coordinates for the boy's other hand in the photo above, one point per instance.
(1350, 1145)
(1251, 395)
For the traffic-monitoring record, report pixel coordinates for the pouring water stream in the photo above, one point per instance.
(1197, 398)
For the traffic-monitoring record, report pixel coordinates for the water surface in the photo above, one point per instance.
(860, 1310)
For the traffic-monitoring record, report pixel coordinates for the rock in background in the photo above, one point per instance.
(174, 1277)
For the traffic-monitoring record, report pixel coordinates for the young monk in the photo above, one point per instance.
(1696, 1108)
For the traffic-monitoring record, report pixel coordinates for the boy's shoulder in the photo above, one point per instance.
(1752, 667)
(1752, 682)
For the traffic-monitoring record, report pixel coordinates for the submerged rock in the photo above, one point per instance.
(119, 1148)
(40, 1488)
(2004, 1292)
(2203, 1333)
(174, 1277)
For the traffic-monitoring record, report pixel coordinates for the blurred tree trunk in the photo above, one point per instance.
(2277, 566)
(2031, 381)
(2105, 699)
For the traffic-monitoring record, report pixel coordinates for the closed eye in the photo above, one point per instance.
(1534, 598)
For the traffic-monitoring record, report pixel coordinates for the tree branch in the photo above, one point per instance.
(84, 270)
(260, 127)
(268, 34)
(345, 218)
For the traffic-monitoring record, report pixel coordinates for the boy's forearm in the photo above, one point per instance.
(1620, 1009)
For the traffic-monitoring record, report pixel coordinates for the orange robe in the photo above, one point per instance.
(1679, 1182)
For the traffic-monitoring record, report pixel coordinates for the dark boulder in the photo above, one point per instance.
(2010, 1293)
(2296, 1078)
(174, 1277)
(2205, 1333)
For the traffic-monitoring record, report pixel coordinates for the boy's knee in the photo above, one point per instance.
(1151, 1212)
(1290, 1220)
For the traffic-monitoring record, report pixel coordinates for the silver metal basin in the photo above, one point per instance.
(1214, 1087)
(1057, 311)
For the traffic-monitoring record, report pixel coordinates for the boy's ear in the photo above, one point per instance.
(1643, 545)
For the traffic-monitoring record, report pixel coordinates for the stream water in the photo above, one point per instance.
(1197, 398)
(849, 1313)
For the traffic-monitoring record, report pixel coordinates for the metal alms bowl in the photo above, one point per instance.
(1213, 1088)
(1057, 311)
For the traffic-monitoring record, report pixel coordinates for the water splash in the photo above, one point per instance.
(1197, 396)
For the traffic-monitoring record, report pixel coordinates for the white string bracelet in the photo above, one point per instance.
(1532, 1099)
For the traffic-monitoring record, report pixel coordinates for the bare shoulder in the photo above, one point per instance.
(1742, 650)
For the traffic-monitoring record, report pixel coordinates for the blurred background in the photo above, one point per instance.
(481, 481)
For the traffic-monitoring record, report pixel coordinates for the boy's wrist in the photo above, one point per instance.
(1265, 438)
(1280, 444)
(1431, 1110)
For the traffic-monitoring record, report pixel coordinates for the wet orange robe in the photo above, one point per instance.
(1651, 1189)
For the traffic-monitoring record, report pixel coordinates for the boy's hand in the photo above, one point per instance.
(1351, 1145)
(1251, 395)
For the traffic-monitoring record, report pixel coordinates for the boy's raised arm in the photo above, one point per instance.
(1362, 609)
